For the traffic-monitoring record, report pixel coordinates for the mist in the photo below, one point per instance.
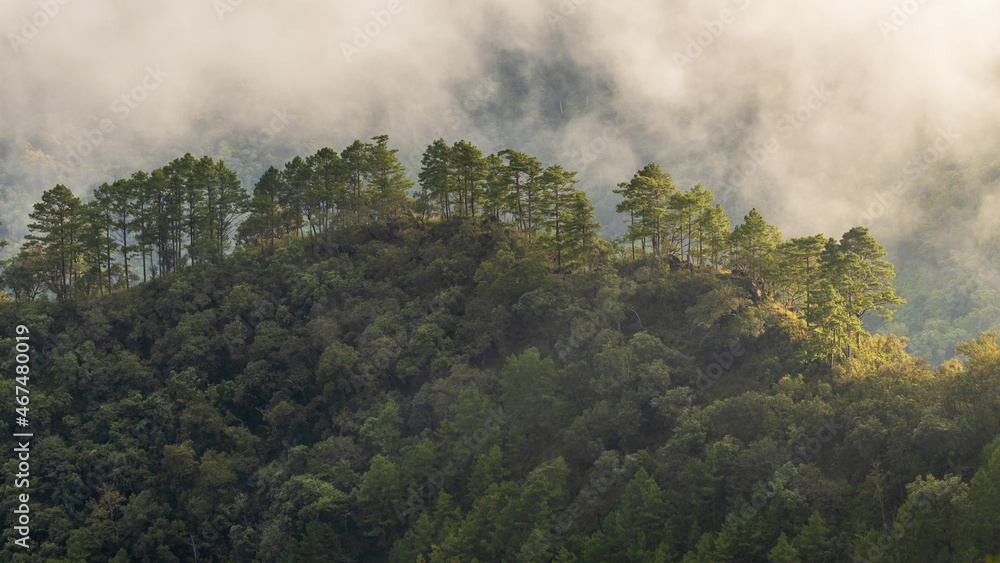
(806, 110)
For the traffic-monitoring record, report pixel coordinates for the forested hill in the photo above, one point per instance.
(383, 378)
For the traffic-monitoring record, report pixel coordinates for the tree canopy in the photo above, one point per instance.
(346, 366)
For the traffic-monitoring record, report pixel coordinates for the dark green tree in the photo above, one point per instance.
(523, 198)
(645, 198)
(470, 172)
(232, 202)
(753, 245)
(714, 226)
(327, 189)
(57, 230)
(387, 182)
(558, 188)
(497, 187)
(583, 244)
(295, 180)
(437, 176)
(357, 166)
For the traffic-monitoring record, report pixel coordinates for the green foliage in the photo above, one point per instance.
(59, 224)
(783, 552)
(471, 376)
(982, 520)
(754, 242)
(813, 539)
(645, 199)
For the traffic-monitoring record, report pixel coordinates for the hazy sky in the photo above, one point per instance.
(839, 97)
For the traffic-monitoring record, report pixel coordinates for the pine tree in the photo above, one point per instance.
(871, 273)
(497, 187)
(798, 270)
(714, 226)
(93, 249)
(356, 170)
(645, 198)
(470, 172)
(702, 202)
(327, 189)
(101, 212)
(142, 214)
(295, 179)
(265, 210)
(656, 188)
(813, 539)
(558, 187)
(232, 203)
(171, 216)
(685, 213)
(156, 230)
(208, 207)
(783, 552)
(97, 241)
(57, 229)
(271, 190)
(630, 204)
(523, 197)
(197, 172)
(582, 241)
(827, 313)
(120, 195)
(437, 177)
(387, 182)
(681, 214)
(753, 244)
(857, 270)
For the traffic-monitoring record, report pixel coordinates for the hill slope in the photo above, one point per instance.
(426, 393)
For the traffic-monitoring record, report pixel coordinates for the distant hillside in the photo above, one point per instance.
(947, 259)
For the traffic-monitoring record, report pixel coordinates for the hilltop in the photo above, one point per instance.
(425, 392)
(338, 364)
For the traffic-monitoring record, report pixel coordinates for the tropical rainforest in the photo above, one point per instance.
(343, 364)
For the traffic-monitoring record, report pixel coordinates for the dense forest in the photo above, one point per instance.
(343, 365)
